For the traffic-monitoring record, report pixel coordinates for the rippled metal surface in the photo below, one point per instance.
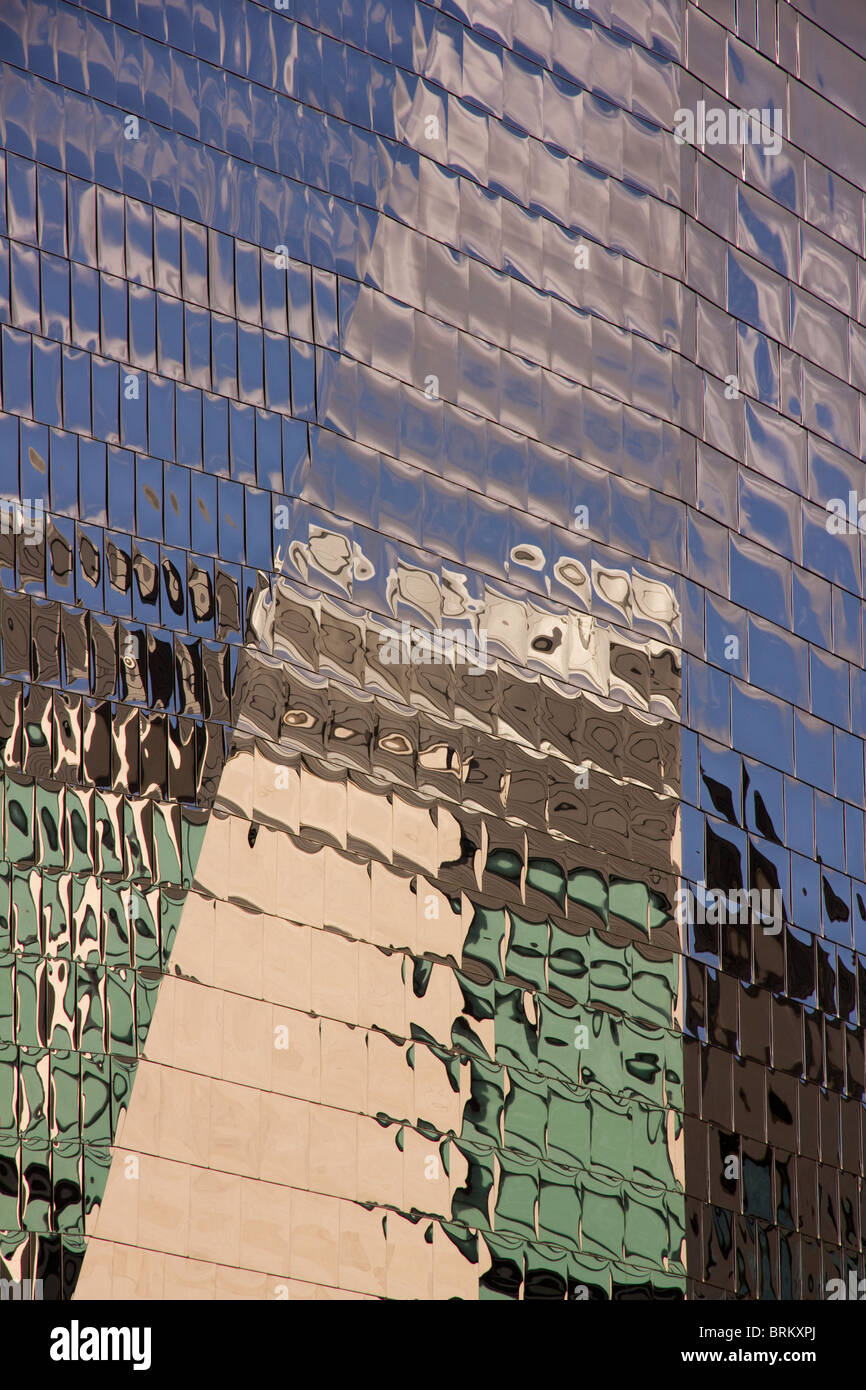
(481, 994)
(430, 475)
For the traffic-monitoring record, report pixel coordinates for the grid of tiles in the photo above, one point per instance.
(479, 997)
(438, 282)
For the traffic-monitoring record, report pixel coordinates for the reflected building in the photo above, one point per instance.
(403, 899)
(419, 577)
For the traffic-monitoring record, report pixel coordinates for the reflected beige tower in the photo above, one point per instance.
(420, 1034)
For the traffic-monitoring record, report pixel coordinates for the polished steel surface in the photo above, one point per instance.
(432, 691)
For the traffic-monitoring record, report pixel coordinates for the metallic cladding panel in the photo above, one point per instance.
(430, 619)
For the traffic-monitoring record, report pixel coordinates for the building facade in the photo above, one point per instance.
(431, 659)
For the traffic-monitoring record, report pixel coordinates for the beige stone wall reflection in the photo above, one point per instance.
(255, 1160)
(305, 1107)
